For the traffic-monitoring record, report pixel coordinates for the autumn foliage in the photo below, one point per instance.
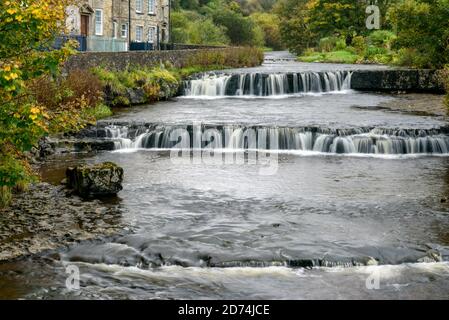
(27, 32)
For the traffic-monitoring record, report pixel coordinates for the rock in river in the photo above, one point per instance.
(96, 180)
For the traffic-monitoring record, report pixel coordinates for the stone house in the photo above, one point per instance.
(110, 25)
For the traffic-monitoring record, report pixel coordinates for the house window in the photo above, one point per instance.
(151, 34)
(124, 31)
(151, 6)
(98, 22)
(139, 6)
(139, 33)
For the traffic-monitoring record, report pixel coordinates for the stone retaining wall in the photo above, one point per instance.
(121, 60)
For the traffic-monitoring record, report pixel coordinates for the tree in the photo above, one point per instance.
(337, 17)
(269, 23)
(205, 31)
(192, 28)
(27, 32)
(239, 29)
(189, 4)
(305, 22)
(422, 28)
(294, 27)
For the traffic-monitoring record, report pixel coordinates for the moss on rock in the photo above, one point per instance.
(95, 180)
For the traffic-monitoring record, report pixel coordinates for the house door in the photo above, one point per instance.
(84, 25)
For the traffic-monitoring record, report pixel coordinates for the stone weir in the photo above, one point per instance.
(362, 140)
(397, 80)
(215, 84)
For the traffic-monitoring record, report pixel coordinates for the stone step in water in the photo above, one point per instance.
(363, 140)
(259, 84)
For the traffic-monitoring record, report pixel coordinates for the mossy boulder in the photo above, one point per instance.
(102, 179)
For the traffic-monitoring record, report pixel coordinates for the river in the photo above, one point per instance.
(354, 193)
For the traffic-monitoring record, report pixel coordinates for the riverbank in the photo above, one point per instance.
(48, 217)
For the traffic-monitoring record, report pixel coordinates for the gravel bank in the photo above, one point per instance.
(47, 217)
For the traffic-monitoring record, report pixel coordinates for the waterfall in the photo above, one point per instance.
(120, 136)
(324, 140)
(275, 84)
(210, 85)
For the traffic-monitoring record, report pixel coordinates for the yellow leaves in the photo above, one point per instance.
(35, 110)
(29, 26)
(310, 5)
(37, 13)
(11, 76)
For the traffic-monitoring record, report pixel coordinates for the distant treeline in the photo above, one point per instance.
(218, 22)
(412, 32)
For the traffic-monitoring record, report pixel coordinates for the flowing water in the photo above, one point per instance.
(354, 192)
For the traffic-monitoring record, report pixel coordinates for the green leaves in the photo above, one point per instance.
(422, 26)
(27, 32)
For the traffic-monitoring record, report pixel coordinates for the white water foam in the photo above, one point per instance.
(275, 85)
(299, 141)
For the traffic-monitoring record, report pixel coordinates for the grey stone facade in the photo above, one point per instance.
(116, 20)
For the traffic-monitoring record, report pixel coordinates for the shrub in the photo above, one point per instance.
(340, 45)
(444, 80)
(13, 168)
(229, 57)
(373, 50)
(113, 86)
(53, 92)
(100, 111)
(5, 196)
(66, 99)
(383, 38)
(15, 172)
(409, 57)
(342, 56)
(162, 84)
(328, 44)
(69, 116)
(359, 44)
(157, 83)
(84, 83)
